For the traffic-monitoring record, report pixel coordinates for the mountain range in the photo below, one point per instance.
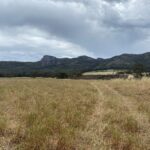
(50, 65)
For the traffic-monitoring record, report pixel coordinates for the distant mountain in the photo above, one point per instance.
(126, 61)
(50, 65)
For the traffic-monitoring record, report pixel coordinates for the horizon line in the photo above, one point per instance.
(75, 57)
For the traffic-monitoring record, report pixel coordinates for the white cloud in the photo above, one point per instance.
(73, 27)
(35, 43)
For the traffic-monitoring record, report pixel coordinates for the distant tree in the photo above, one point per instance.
(75, 74)
(62, 75)
(1, 75)
(138, 69)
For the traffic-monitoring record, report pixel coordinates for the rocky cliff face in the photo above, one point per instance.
(47, 60)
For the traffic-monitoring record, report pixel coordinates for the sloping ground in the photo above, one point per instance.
(49, 114)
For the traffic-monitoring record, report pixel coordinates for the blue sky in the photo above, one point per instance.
(30, 29)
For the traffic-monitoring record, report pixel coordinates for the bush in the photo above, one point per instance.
(62, 75)
(138, 69)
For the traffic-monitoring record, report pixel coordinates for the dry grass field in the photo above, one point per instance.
(50, 114)
(102, 72)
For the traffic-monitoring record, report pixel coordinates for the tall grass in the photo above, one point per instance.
(44, 113)
(50, 114)
(117, 123)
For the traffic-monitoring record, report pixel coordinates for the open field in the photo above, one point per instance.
(50, 114)
(103, 72)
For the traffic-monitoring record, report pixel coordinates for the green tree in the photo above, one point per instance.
(62, 75)
(138, 69)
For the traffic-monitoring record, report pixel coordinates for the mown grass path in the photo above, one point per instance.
(91, 136)
(116, 122)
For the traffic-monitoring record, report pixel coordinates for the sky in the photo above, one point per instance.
(30, 29)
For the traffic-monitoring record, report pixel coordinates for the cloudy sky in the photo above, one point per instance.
(30, 29)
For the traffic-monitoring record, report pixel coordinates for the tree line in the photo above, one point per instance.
(137, 70)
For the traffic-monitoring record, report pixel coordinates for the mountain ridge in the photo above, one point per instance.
(50, 65)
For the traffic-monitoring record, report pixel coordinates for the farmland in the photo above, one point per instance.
(103, 72)
(52, 114)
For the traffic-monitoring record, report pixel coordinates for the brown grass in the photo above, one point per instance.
(50, 114)
(43, 113)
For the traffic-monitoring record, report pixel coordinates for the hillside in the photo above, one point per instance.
(50, 66)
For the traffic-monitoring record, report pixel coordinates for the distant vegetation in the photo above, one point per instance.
(50, 66)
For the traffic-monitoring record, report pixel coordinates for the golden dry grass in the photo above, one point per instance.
(50, 114)
(102, 72)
